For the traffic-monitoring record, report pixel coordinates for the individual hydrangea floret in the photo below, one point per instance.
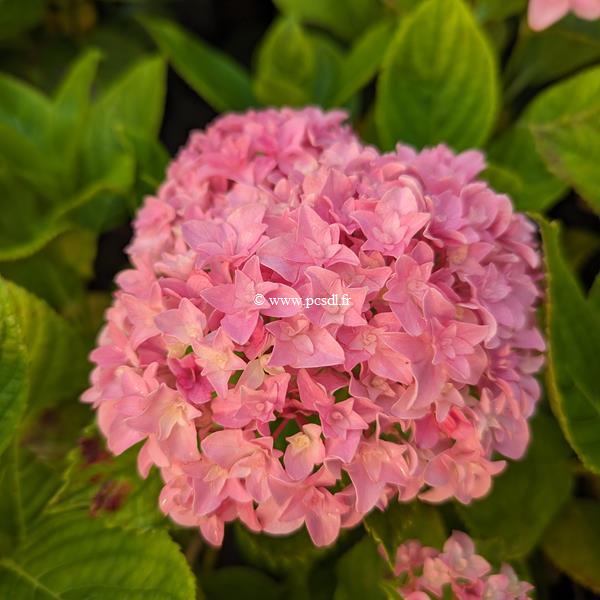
(426, 573)
(544, 13)
(258, 397)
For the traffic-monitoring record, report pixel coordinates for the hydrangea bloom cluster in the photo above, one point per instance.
(427, 573)
(260, 406)
(544, 13)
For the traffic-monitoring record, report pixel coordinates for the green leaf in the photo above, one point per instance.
(231, 582)
(32, 484)
(573, 543)
(23, 108)
(541, 57)
(325, 80)
(108, 487)
(499, 34)
(17, 16)
(565, 122)
(132, 105)
(278, 554)
(531, 186)
(102, 204)
(347, 23)
(70, 110)
(88, 314)
(367, 129)
(70, 556)
(568, 309)
(574, 345)
(56, 358)
(27, 223)
(502, 179)
(14, 382)
(497, 10)
(360, 573)
(401, 7)
(402, 522)
(526, 497)
(135, 103)
(285, 65)
(151, 164)
(35, 131)
(363, 60)
(18, 153)
(39, 208)
(58, 273)
(77, 251)
(594, 295)
(55, 431)
(215, 76)
(439, 81)
(122, 44)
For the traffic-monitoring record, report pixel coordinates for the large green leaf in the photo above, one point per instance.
(438, 82)
(70, 111)
(108, 487)
(59, 272)
(103, 203)
(285, 554)
(14, 382)
(574, 345)
(363, 60)
(28, 222)
(401, 7)
(360, 573)
(530, 184)
(402, 522)
(346, 22)
(17, 155)
(594, 295)
(35, 131)
(122, 45)
(494, 10)
(32, 483)
(56, 358)
(215, 76)
(526, 497)
(565, 122)
(286, 62)
(499, 35)
(573, 542)
(327, 69)
(23, 107)
(295, 67)
(92, 187)
(134, 102)
(151, 164)
(569, 310)
(541, 57)
(70, 556)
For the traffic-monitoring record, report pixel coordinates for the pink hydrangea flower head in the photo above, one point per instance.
(543, 13)
(310, 329)
(427, 573)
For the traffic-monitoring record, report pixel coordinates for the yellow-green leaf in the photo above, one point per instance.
(439, 81)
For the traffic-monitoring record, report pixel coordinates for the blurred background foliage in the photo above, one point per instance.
(95, 96)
